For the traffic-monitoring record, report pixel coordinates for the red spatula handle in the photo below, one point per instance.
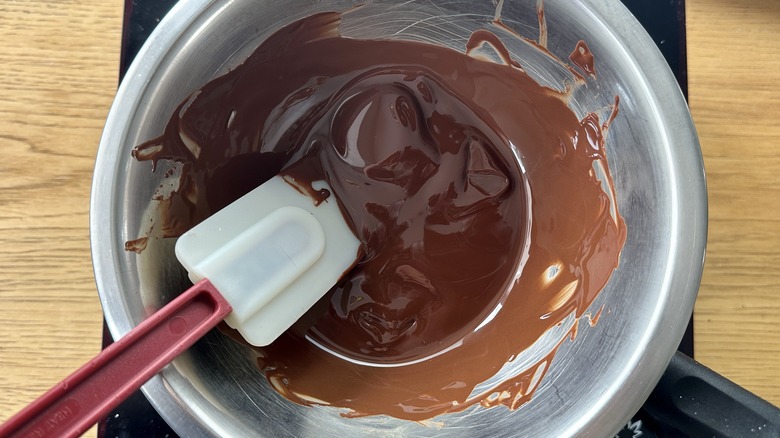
(79, 401)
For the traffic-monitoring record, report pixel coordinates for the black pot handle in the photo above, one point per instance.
(697, 401)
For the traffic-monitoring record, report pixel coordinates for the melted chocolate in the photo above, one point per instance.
(471, 187)
(583, 58)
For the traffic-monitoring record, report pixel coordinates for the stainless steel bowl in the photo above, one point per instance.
(594, 383)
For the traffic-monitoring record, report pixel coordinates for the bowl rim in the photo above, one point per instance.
(688, 234)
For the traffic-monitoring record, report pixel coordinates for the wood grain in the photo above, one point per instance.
(58, 75)
(734, 73)
(58, 72)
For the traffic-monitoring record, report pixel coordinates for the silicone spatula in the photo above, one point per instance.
(260, 263)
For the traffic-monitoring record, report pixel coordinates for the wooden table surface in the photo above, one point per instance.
(58, 75)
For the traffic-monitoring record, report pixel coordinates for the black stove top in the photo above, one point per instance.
(663, 20)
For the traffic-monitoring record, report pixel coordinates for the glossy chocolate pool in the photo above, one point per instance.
(483, 203)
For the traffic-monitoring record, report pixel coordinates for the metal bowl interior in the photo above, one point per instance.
(594, 383)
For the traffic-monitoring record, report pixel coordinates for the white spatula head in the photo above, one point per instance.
(272, 254)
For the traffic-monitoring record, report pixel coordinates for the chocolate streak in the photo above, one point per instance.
(471, 187)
